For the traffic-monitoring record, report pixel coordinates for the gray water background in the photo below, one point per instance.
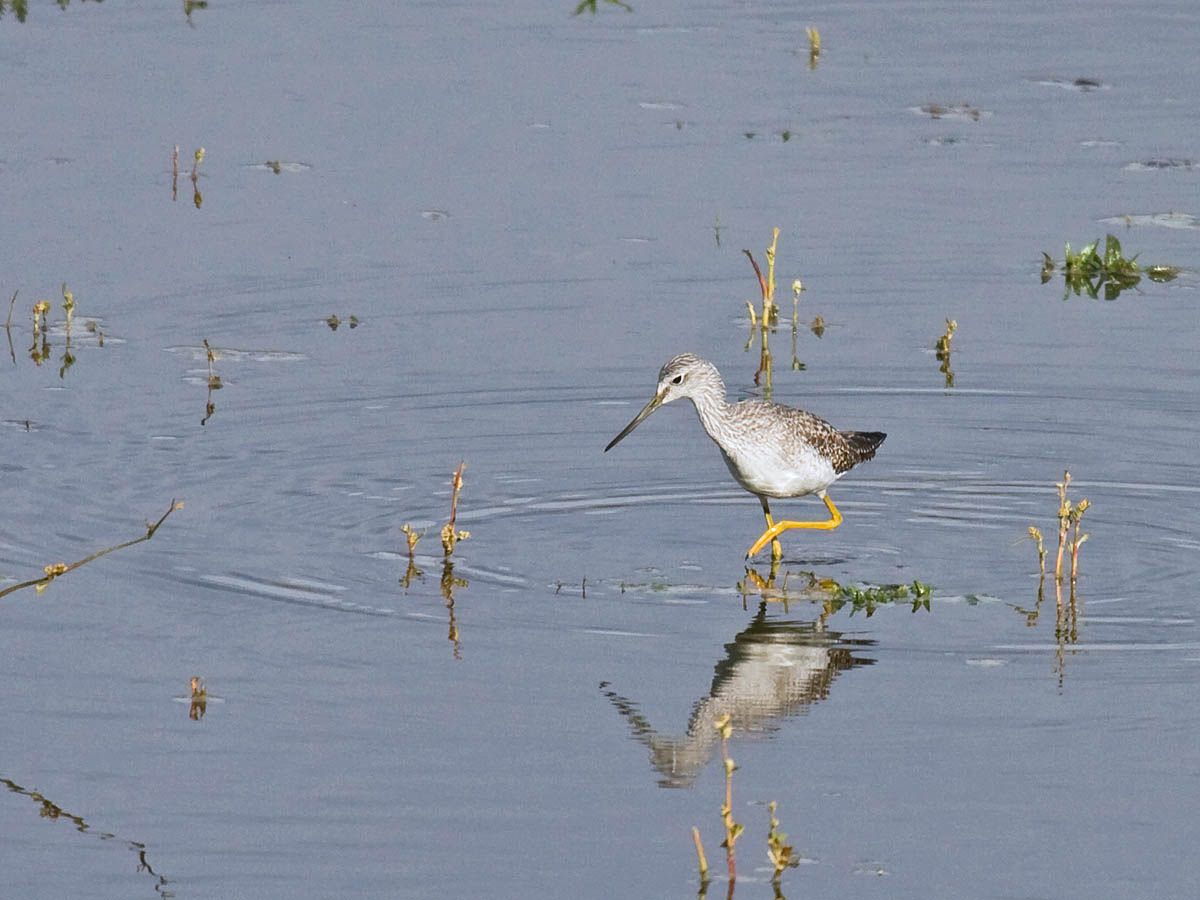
(522, 209)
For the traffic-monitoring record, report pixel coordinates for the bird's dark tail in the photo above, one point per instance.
(863, 444)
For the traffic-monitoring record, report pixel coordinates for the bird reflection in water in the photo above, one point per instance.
(772, 670)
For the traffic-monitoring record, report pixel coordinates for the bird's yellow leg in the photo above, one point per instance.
(776, 547)
(774, 529)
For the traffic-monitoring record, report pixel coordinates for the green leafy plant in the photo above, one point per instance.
(1090, 271)
(590, 6)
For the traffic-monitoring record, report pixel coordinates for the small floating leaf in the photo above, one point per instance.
(1162, 273)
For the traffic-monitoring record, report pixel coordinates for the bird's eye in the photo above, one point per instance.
(678, 379)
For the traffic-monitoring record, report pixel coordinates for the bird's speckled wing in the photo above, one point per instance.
(759, 420)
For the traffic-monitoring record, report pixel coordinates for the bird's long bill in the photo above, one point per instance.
(655, 403)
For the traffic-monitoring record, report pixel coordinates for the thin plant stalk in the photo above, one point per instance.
(1064, 520)
(704, 879)
(450, 536)
(732, 828)
(1036, 534)
(1076, 518)
(56, 569)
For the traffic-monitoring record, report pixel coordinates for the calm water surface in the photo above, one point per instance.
(528, 213)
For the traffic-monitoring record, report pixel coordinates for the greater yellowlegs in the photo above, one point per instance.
(772, 450)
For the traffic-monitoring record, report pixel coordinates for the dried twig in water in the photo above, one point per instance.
(762, 282)
(56, 569)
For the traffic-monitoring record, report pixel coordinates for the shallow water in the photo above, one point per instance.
(522, 209)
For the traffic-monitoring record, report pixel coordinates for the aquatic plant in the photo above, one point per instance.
(1069, 517)
(831, 595)
(704, 879)
(411, 535)
(1070, 520)
(214, 384)
(334, 322)
(20, 8)
(54, 570)
(448, 583)
(942, 351)
(8, 327)
(732, 828)
(68, 307)
(797, 290)
(68, 358)
(1087, 271)
(1035, 534)
(197, 158)
(450, 536)
(871, 597)
(769, 316)
(39, 353)
(198, 699)
(40, 322)
(590, 6)
(779, 852)
(766, 285)
(814, 46)
(942, 346)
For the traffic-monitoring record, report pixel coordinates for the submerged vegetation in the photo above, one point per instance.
(832, 596)
(1087, 271)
